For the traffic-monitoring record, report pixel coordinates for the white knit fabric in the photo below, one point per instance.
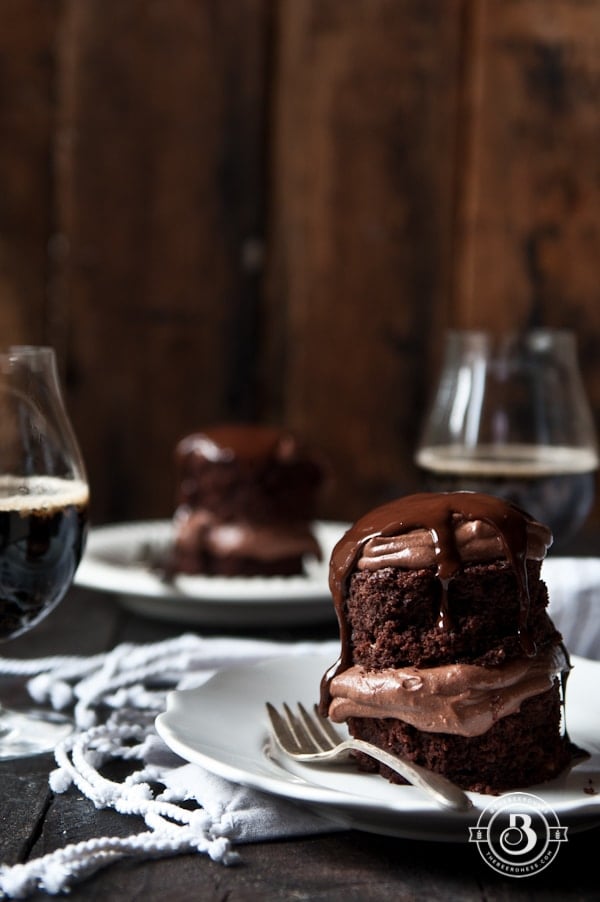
(122, 681)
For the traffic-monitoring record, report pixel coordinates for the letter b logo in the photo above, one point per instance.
(519, 837)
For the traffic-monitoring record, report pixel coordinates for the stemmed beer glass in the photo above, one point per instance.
(43, 515)
(510, 417)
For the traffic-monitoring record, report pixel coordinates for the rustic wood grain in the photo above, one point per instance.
(528, 235)
(23, 803)
(26, 202)
(160, 189)
(532, 232)
(395, 171)
(360, 229)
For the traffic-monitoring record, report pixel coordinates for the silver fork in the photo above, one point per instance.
(312, 738)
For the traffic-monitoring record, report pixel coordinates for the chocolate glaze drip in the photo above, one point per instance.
(439, 513)
(243, 442)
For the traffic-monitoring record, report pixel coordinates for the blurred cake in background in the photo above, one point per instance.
(247, 498)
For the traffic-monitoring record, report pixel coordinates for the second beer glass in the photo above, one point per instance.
(510, 417)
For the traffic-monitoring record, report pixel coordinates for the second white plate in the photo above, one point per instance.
(117, 560)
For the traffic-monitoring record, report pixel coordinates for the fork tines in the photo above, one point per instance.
(302, 733)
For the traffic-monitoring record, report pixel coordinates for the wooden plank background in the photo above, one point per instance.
(271, 210)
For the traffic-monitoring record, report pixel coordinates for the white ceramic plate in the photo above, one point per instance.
(116, 560)
(223, 726)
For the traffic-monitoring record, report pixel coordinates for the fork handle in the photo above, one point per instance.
(442, 790)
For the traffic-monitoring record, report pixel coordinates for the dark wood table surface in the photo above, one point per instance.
(339, 866)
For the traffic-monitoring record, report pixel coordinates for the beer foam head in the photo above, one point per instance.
(27, 494)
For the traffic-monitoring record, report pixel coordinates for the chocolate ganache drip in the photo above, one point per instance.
(443, 530)
(231, 441)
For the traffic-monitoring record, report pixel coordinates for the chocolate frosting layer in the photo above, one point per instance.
(442, 530)
(474, 541)
(198, 532)
(463, 699)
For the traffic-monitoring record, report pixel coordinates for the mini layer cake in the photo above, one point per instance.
(246, 500)
(448, 655)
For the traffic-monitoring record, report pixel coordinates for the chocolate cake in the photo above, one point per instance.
(246, 500)
(448, 655)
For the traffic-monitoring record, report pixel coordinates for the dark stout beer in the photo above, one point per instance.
(42, 532)
(553, 484)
